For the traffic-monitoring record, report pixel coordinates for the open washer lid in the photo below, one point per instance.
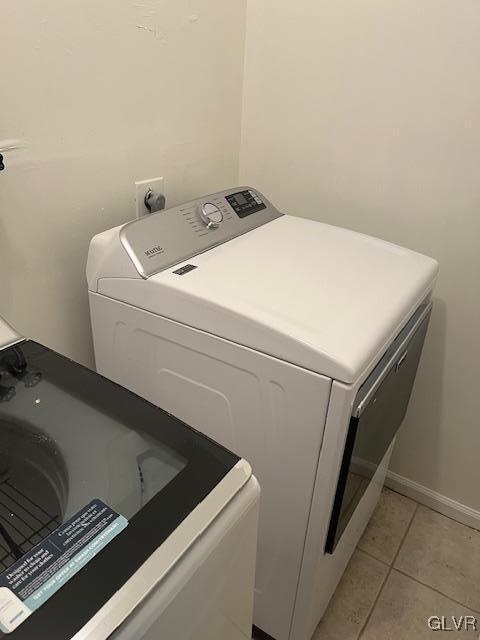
(318, 296)
(70, 439)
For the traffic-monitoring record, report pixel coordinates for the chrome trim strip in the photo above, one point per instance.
(157, 567)
(362, 405)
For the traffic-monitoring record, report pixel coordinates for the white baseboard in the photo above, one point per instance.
(437, 502)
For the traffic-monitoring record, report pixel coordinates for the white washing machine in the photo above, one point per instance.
(293, 343)
(117, 520)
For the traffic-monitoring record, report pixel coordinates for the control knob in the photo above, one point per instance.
(211, 215)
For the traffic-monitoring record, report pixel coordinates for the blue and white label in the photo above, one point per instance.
(41, 572)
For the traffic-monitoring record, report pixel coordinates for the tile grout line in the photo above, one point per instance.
(380, 591)
(424, 584)
(370, 555)
(426, 506)
(440, 593)
(374, 604)
(405, 534)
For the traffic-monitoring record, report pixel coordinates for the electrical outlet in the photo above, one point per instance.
(141, 189)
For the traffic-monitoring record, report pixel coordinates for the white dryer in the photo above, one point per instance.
(292, 342)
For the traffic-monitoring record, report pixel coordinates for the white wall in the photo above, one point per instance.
(367, 115)
(104, 93)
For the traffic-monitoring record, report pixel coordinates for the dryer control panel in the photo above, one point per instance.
(161, 240)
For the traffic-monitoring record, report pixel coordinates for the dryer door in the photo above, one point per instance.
(379, 409)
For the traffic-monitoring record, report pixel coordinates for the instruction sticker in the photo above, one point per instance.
(41, 572)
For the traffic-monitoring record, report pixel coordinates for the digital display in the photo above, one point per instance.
(244, 203)
(240, 199)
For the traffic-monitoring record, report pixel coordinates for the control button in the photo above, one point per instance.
(211, 215)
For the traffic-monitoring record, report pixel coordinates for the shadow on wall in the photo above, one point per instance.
(8, 257)
(421, 429)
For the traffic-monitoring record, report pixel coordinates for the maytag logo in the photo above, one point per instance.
(153, 251)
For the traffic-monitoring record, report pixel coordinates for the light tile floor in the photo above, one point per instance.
(411, 563)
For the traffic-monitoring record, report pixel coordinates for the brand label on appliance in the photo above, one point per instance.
(43, 570)
(185, 269)
(154, 251)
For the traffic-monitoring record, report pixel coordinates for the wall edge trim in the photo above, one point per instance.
(434, 500)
